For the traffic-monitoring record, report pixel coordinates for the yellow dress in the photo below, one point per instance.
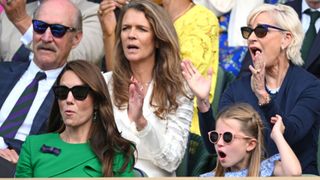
(198, 32)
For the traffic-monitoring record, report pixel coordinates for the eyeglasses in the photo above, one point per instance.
(260, 31)
(57, 30)
(79, 92)
(228, 137)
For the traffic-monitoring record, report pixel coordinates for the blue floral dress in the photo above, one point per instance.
(266, 169)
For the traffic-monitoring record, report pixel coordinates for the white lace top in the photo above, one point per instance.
(162, 143)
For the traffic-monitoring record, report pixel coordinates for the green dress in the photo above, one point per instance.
(74, 160)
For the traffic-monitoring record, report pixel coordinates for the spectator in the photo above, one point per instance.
(81, 120)
(16, 31)
(151, 102)
(232, 15)
(51, 44)
(312, 57)
(198, 31)
(238, 141)
(277, 84)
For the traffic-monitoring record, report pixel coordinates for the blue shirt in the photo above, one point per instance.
(266, 169)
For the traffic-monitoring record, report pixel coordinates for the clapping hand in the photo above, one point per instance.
(136, 98)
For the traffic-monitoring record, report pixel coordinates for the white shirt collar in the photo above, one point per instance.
(51, 74)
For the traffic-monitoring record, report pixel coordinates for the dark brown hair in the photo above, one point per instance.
(105, 139)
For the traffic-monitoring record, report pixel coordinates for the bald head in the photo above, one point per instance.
(62, 8)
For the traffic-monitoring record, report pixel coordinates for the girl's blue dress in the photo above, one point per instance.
(266, 169)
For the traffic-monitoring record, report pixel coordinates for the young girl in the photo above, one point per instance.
(238, 136)
(238, 141)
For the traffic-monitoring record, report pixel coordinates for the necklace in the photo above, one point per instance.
(183, 12)
(272, 91)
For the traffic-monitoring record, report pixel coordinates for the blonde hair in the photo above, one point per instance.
(252, 126)
(286, 18)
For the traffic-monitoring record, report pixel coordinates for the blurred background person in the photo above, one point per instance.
(232, 14)
(84, 139)
(151, 102)
(198, 32)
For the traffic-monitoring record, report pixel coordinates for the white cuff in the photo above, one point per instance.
(26, 39)
(3, 145)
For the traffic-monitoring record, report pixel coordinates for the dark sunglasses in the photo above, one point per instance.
(260, 31)
(78, 92)
(227, 137)
(57, 30)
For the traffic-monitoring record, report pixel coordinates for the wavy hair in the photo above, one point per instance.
(104, 137)
(286, 18)
(167, 75)
(252, 126)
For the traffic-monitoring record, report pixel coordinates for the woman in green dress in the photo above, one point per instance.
(84, 140)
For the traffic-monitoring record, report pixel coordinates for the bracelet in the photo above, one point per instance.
(267, 100)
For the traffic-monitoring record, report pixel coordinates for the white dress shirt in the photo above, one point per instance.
(306, 18)
(43, 90)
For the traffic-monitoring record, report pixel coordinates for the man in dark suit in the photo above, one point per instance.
(312, 60)
(57, 30)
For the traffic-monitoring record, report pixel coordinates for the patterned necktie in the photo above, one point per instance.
(20, 110)
(310, 34)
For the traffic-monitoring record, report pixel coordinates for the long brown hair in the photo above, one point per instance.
(252, 126)
(105, 139)
(167, 76)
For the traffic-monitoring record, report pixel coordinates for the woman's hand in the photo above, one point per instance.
(136, 98)
(258, 78)
(199, 85)
(278, 126)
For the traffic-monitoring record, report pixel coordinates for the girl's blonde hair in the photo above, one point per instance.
(252, 126)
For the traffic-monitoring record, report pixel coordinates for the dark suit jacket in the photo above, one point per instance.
(298, 102)
(312, 63)
(10, 73)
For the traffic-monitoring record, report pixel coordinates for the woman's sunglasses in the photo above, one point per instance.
(226, 136)
(260, 31)
(57, 30)
(78, 92)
